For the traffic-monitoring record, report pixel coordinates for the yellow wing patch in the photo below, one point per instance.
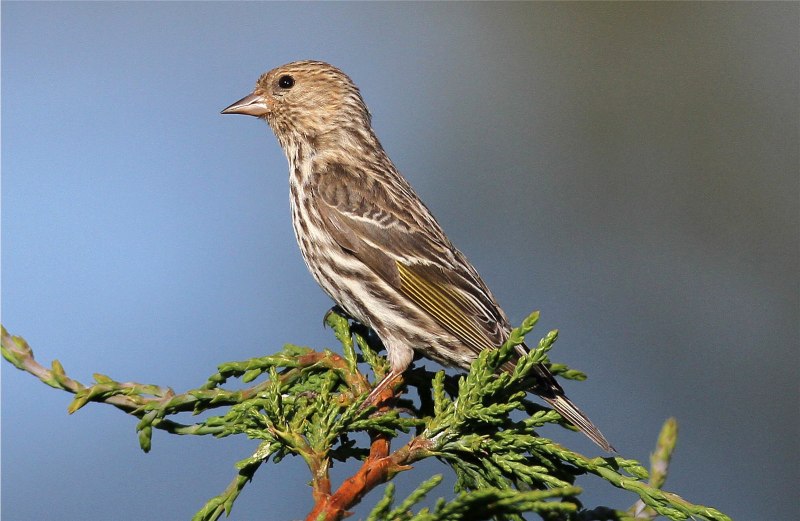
(443, 305)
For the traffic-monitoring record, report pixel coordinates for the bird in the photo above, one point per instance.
(371, 243)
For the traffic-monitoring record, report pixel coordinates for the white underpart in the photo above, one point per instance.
(394, 329)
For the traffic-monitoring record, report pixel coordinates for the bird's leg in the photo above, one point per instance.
(374, 396)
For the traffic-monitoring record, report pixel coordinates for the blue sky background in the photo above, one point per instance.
(629, 169)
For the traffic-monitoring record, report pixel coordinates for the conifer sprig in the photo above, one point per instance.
(306, 403)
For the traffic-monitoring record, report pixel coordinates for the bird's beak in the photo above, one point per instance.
(251, 105)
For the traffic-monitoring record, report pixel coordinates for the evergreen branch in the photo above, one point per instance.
(306, 403)
(659, 465)
(223, 503)
(476, 505)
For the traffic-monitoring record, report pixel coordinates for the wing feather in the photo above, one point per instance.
(438, 301)
(408, 249)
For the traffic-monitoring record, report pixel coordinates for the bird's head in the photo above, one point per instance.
(305, 100)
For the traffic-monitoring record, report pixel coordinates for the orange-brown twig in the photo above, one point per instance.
(379, 467)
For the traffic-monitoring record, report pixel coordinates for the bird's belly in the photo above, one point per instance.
(399, 323)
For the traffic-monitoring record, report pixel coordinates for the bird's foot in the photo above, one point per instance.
(335, 310)
(381, 392)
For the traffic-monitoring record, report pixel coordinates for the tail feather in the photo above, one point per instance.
(576, 417)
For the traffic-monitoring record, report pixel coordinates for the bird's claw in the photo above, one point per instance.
(335, 310)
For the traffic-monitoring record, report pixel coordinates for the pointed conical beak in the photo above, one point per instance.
(251, 105)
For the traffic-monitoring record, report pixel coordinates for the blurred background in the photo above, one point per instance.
(631, 170)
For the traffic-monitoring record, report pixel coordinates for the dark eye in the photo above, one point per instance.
(286, 82)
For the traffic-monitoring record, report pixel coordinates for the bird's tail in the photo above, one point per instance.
(576, 417)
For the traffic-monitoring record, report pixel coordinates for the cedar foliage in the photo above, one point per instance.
(306, 403)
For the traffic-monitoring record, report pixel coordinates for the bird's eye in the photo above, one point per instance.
(286, 82)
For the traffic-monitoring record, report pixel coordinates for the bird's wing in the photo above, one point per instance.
(388, 228)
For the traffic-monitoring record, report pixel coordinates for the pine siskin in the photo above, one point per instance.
(369, 240)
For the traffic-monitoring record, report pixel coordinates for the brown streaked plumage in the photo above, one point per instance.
(367, 238)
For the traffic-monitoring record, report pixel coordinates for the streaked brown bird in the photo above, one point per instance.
(369, 240)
